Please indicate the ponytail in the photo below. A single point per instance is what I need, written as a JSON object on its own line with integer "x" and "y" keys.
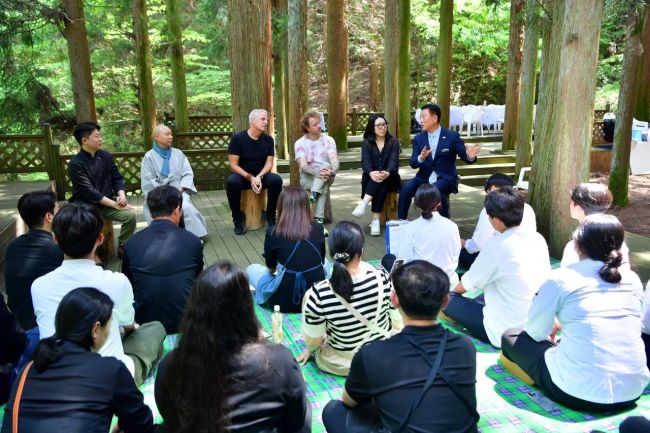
{"x": 427, "y": 198}
{"x": 346, "y": 243}
{"x": 46, "y": 353}
{"x": 341, "y": 280}
{"x": 609, "y": 271}
{"x": 600, "y": 238}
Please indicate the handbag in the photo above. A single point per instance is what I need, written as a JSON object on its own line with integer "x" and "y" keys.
{"x": 19, "y": 394}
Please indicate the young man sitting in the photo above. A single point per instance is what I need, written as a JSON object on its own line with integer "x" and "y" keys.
{"x": 588, "y": 199}
{"x": 422, "y": 379}
{"x": 470, "y": 248}
{"x": 78, "y": 231}
{"x": 510, "y": 269}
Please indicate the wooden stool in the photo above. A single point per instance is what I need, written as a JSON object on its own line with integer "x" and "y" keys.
{"x": 253, "y": 206}
{"x": 107, "y": 249}
{"x": 389, "y": 211}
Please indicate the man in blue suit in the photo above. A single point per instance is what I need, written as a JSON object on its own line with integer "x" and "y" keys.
{"x": 434, "y": 153}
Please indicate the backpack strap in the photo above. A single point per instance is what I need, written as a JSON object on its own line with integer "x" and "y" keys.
{"x": 18, "y": 396}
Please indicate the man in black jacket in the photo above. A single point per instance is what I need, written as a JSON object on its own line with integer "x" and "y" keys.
{"x": 162, "y": 261}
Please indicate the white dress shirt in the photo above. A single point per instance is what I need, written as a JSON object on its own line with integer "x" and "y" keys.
{"x": 436, "y": 240}
{"x": 510, "y": 270}
{"x": 570, "y": 255}
{"x": 645, "y": 317}
{"x": 484, "y": 230}
{"x": 600, "y": 357}
{"x": 48, "y": 290}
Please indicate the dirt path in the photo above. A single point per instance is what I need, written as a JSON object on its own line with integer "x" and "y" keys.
{"x": 636, "y": 215}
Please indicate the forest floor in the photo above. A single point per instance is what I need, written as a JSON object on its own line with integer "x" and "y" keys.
{"x": 634, "y": 216}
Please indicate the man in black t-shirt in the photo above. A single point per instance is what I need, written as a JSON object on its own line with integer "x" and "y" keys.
{"x": 388, "y": 386}
{"x": 250, "y": 154}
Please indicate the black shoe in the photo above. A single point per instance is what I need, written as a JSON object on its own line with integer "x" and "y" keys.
{"x": 240, "y": 226}
{"x": 270, "y": 222}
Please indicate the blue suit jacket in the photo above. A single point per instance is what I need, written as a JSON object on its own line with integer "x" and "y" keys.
{"x": 443, "y": 162}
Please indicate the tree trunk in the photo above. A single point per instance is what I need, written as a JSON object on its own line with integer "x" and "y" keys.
{"x": 404, "y": 77}
{"x": 297, "y": 80}
{"x": 513, "y": 81}
{"x": 415, "y": 96}
{"x": 181, "y": 113}
{"x": 373, "y": 97}
{"x": 642, "y": 110}
{"x": 391, "y": 54}
{"x": 279, "y": 27}
{"x": 528, "y": 77}
{"x": 632, "y": 59}
{"x": 249, "y": 32}
{"x": 337, "y": 72}
{"x": 146, "y": 97}
{"x": 444, "y": 59}
{"x": 561, "y": 159}
{"x": 74, "y": 30}
{"x": 382, "y": 88}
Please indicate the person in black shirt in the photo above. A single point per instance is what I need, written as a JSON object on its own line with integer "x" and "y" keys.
{"x": 28, "y": 257}
{"x": 162, "y": 261}
{"x": 223, "y": 376}
{"x": 96, "y": 180}
{"x": 250, "y": 154}
{"x": 422, "y": 379}
{"x": 296, "y": 243}
{"x": 69, "y": 387}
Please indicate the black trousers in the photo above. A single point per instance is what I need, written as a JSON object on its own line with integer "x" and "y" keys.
{"x": 379, "y": 190}
{"x": 466, "y": 259}
{"x": 528, "y": 354}
{"x": 338, "y": 418}
{"x": 408, "y": 190}
{"x": 469, "y": 313}
{"x": 646, "y": 341}
{"x": 236, "y": 184}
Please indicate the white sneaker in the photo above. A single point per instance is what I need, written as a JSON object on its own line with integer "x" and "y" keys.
{"x": 374, "y": 228}
{"x": 359, "y": 210}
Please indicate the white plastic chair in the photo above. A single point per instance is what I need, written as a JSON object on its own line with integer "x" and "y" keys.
{"x": 456, "y": 118}
{"x": 473, "y": 118}
{"x": 521, "y": 183}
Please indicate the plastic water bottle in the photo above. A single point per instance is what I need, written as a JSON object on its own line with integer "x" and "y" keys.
{"x": 276, "y": 325}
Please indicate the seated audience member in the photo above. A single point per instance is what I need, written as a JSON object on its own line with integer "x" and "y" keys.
{"x": 237, "y": 382}
{"x": 645, "y": 325}
{"x": 165, "y": 165}
{"x": 78, "y": 231}
{"x": 30, "y": 256}
{"x": 318, "y": 162}
{"x": 599, "y": 365}
{"x": 380, "y": 163}
{"x": 431, "y": 237}
{"x": 512, "y": 266}
{"x": 12, "y": 345}
{"x": 387, "y": 378}
{"x": 484, "y": 230}
{"x": 588, "y": 199}
{"x": 250, "y": 154}
{"x": 350, "y": 309}
{"x": 97, "y": 181}
{"x": 434, "y": 155}
{"x": 68, "y": 387}
{"x": 162, "y": 261}
{"x": 295, "y": 248}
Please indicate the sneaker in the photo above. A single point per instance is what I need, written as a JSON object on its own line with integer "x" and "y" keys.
{"x": 321, "y": 221}
{"x": 359, "y": 210}
{"x": 240, "y": 226}
{"x": 375, "y": 230}
{"x": 313, "y": 197}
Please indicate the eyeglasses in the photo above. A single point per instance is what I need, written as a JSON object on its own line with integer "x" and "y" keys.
{"x": 381, "y": 125}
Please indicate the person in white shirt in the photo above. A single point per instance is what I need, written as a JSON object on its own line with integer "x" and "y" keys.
{"x": 78, "y": 232}
{"x": 588, "y": 199}
{"x": 599, "y": 364}
{"x": 512, "y": 266}
{"x": 645, "y": 323}
{"x": 470, "y": 248}
{"x": 318, "y": 162}
{"x": 431, "y": 237}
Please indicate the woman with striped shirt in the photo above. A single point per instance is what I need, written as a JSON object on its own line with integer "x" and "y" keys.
{"x": 350, "y": 309}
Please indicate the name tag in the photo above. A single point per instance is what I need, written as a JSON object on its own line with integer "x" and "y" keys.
{"x": 444, "y": 150}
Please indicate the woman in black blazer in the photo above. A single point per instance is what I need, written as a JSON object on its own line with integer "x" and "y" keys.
{"x": 380, "y": 162}
{"x": 68, "y": 387}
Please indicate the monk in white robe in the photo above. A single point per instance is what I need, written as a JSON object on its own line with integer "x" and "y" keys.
{"x": 165, "y": 165}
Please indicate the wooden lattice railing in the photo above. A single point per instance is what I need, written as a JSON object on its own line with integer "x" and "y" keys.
{"x": 202, "y": 140}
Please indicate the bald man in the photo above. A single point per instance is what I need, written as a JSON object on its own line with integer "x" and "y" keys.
{"x": 167, "y": 166}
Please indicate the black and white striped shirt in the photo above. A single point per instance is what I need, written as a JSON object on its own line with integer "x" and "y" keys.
{"x": 324, "y": 315}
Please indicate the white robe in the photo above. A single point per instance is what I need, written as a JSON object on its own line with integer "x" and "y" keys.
{"x": 180, "y": 176}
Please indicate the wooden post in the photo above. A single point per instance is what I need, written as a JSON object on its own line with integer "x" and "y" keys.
{"x": 253, "y": 205}
{"x": 389, "y": 211}
{"x": 58, "y": 171}
{"x": 48, "y": 155}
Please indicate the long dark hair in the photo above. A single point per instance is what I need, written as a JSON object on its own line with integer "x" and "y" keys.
{"x": 75, "y": 318}
{"x": 600, "y": 237}
{"x": 294, "y": 216}
{"x": 346, "y": 242}
{"x": 427, "y": 198}
{"x": 369, "y": 133}
{"x": 219, "y": 320}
